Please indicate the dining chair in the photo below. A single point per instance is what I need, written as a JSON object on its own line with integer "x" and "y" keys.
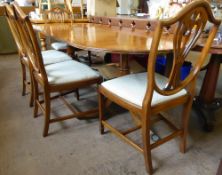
{"x": 61, "y": 15}
{"x": 49, "y": 56}
{"x": 58, "y": 14}
{"x": 147, "y": 95}
{"x": 59, "y": 77}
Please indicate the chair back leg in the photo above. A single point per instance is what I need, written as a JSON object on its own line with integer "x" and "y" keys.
{"x": 47, "y": 112}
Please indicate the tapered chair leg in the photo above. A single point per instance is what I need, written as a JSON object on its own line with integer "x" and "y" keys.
{"x": 146, "y": 145}
{"x": 47, "y": 113}
{"x": 36, "y": 98}
{"x": 23, "y": 79}
{"x": 101, "y": 112}
{"x": 31, "y": 100}
{"x": 185, "y": 122}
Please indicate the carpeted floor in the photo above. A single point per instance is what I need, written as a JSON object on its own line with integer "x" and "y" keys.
{"x": 75, "y": 147}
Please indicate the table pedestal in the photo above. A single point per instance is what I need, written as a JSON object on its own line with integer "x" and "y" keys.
{"x": 205, "y": 104}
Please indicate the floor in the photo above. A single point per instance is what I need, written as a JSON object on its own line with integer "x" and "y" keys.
{"x": 75, "y": 147}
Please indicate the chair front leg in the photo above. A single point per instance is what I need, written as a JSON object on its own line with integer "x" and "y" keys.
{"x": 36, "y": 97}
{"x": 186, "y": 115}
{"x": 101, "y": 112}
{"x": 47, "y": 112}
{"x": 23, "y": 78}
{"x": 185, "y": 121}
{"x": 31, "y": 100}
{"x": 146, "y": 144}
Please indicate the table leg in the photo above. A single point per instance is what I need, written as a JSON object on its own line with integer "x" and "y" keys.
{"x": 205, "y": 103}
{"x": 71, "y": 51}
{"x": 124, "y": 64}
{"x": 42, "y": 41}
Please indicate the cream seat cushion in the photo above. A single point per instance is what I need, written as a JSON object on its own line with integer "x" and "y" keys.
{"x": 59, "y": 45}
{"x": 54, "y": 56}
{"x": 132, "y": 88}
{"x": 69, "y": 72}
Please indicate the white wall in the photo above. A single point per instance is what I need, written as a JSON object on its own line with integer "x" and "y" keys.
{"x": 101, "y": 7}
{"x": 124, "y": 6}
{"x": 78, "y": 2}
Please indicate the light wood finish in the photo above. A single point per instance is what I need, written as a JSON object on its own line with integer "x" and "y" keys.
{"x": 26, "y": 82}
{"x": 97, "y": 37}
{"x": 21, "y": 51}
{"x": 42, "y": 39}
{"x": 62, "y": 15}
{"x": 40, "y": 79}
{"x": 68, "y": 14}
{"x": 25, "y": 9}
{"x": 111, "y": 39}
{"x": 190, "y": 24}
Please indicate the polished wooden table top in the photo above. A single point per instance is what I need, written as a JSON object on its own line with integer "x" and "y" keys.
{"x": 216, "y": 47}
{"x": 98, "y": 37}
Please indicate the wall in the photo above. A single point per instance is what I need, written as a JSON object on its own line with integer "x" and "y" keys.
{"x": 101, "y": 7}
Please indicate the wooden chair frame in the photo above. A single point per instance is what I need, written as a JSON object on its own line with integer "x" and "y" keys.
{"x": 190, "y": 23}
{"x": 21, "y": 51}
{"x": 14, "y": 26}
{"x": 40, "y": 77}
{"x": 69, "y": 13}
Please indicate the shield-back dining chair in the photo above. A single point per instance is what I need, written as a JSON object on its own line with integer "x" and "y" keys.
{"x": 49, "y": 56}
{"x": 61, "y": 15}
{"x": 148, "y": 94}
{"x": 60, "y": 77}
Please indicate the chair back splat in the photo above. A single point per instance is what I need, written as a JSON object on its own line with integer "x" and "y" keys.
{"x": 190, "y": 23}
{"x": 147, "y": 95}
{"x": 9, "y": 12}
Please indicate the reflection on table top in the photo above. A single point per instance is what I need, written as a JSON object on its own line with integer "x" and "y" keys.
{"x": 100, "y": 37}
{"x": 216, "y": 47}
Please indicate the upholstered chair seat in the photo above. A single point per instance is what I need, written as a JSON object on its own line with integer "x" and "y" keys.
{"x": 132, "y": 88}
{"x": 52, "y": 57}
{"x": 69, "y": 72}
{"x": 59, "y": 45}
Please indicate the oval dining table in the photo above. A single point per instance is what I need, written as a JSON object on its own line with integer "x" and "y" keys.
{"x": 110, "y": 39}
